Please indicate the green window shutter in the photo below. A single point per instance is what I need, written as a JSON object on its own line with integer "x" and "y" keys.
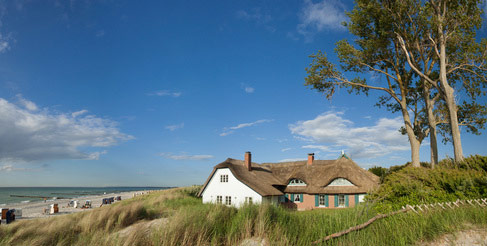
{"x": 346, "y": 201}
{"x": 301, "y": 197}
{"x": 356, "y": 199}
{"x": 326, "y": 200}
{"x": 336, "y": 201}
{"x": 317, "y": 200}
{"x": 292, "y": 197}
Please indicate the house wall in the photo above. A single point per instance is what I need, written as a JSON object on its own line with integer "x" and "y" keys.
{"x": 234, "y": 188}
{"x": 309, "y": 202}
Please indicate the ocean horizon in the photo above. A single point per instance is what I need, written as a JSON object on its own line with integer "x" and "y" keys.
{"x": 9, "y": 195}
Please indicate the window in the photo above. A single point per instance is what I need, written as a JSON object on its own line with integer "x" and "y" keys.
{"x": 224, "y": 178}
{"x": 322, "y": 200}
{"x": 283, "y": 198}
{"x": 341, "y": 200}
{"x": 296, "y": 182}
{"x": 248, "y": 200}
{"x": 228, "y": 200}
{"x": 340, "y": 182}
{"x": 219, "y": 199}
{"x": 297, "y": 198}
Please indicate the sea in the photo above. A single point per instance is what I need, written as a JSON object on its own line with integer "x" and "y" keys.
{"x": 9, "y": 195}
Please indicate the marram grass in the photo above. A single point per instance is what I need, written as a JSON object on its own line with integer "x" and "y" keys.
{"x": 189, "y": 222}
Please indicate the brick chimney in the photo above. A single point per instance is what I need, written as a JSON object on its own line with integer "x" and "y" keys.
{"x": 311, "y": 158}
{"x": 248, "y": 160}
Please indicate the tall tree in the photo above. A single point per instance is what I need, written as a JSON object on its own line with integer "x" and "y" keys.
{"x": 449, "y": 32}
{"x": 376, "y": 50}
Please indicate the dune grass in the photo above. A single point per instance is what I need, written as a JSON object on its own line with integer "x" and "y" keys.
{"x": 189, "y": 222}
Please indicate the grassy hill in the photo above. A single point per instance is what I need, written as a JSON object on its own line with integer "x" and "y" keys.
{"x": 177, "y": 217}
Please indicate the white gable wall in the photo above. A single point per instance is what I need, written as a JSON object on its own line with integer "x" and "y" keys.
{"x": 234, "y": 188}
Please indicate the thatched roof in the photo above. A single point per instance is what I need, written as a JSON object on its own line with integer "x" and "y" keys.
{"x": 269, "y": 179}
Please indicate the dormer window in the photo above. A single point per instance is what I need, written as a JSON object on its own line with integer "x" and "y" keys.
{"x": 296, "y": 182}
{"x": 341, "y": 182}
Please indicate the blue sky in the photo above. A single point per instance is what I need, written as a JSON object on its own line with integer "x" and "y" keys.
{"x": 109, "y": 93}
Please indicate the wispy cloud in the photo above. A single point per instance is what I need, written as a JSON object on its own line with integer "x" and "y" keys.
{"x": 362, "y": 142}
{"x": 165, "y": 93}
{"x": 230, "y": 130}
{"x": 320, "y": 147}
{"x": 29, "y": 105}
{"x": 186, "y": 157}
{"x": 32, "y": 134}
{"x": 286, "y": 149}
{"x": 174, "y": 127}
{"x": 10, "y": 168}
{"x": 256, "y": 15}
{"x": 100, "y": 33}
{"x": 316, "y": 17}
{"x": 5, "y": 38}
{"x": 249, "y": 89}
{"x": 78, "y": 113}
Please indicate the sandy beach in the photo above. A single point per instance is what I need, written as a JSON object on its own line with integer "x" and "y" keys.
{"x": 33, "y": 210}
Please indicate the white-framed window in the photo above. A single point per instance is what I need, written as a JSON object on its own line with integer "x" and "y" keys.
{"x": 322, "y": 200}
{"x": 224, "y": 178}
{"x": 341, "y": 200}
{"x": 219, "y": 199}
{"x": 248, "y": 200}
{"x": 228, "y": 200}
{"x": 296, "y": 182}
{"x": 297, "y": 198}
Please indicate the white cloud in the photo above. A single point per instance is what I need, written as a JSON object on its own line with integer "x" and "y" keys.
{"x": 249, "y": 89}
{"x": 316, "y": 17}
{"x": 31, "y": 106}
{"x": 28, "y": 135}
{"x": 320, "y": 147}
{"x": 174, "y": 127}
{"x": 286, "y": 149}
{"x": 78, "y": 113}
{"x": 166, "y": 93}
{"x": 10, "y": 168}
{"x": 186, "y": 157}
{"x": 361, "y": 142}
{"x": 230, "y": 130}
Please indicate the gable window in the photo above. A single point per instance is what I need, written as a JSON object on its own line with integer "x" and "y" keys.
{"x": 219, "y": 199}
{"x": 228, "y": 200}
{"x": 340, "y": 182}
{"x": 341, "y": 200}
{"x": 224, "y": 178}
{"x": 248, "y": 200}
{"x": 296, "y": 182}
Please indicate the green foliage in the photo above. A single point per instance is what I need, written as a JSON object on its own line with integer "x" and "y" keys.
{"x": 448, "y": 182}
{"x": 379, "y": 172}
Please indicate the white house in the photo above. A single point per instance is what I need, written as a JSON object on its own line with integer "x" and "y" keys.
{"x": 301, "y": 184}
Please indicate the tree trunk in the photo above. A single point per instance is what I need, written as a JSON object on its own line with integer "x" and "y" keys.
{"x": 430, "y": 104}
{"x": 450, "y": 100}
{"x": 412, "y": 137}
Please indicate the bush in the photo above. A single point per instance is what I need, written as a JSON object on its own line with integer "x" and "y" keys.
{"x": 447, "y": 182}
